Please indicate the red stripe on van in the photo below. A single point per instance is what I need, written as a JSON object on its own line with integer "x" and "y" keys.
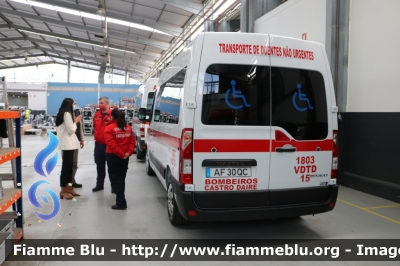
{"x": 313, "y": 145}
{"x": 256, "y": 145}
{"x": 169, "y": 140}
{"x": 231, "y": 145}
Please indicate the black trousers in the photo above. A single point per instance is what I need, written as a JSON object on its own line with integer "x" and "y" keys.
{"x": 117, "y": 168}
{"x": 74, "y": 165}
{"x": 100, "y": 160}
{"x": 66, "y": 168}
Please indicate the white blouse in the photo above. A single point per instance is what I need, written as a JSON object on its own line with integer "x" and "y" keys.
{"x": 66, "y": 134}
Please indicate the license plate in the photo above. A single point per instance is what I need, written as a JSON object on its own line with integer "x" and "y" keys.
{"x": 228, "y": 172}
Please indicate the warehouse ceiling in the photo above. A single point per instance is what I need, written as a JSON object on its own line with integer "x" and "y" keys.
{"x": 111, "y": 35}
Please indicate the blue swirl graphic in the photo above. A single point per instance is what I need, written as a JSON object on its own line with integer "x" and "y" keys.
{"x": 51, "y": 163}
{"x": 35, "y": 202}
{"x": 44, "y": 198}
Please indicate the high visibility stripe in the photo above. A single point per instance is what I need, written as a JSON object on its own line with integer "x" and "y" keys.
{"x": 168, "y": 140}
{"x": 245, "y": 145}
{"x": 258, "y": 145}
{"x": 231, "y": 145}
{"x": 306, "y": 145}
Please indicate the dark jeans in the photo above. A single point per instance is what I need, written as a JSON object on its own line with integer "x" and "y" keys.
{"x": 66, "y": 168}
{"x": 100, "y": 160}
{"x": 117, "y": 168}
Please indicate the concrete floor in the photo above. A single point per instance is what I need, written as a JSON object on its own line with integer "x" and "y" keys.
{"x": 356, "y": 216}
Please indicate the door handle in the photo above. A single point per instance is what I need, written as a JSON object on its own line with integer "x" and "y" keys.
{"x": 285, "y": 149}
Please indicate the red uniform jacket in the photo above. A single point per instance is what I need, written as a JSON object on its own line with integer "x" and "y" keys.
{"x": 99, "y": 124}
{"x": 119, "y": 142}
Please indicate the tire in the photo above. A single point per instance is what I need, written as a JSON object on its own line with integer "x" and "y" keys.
{"x": 174, "y": 215}
{"x": 140, "y": 154}
{"x": 149, "y": 170}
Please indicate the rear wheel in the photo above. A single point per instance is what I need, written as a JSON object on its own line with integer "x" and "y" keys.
{"x": 149, "y": 170}
{"x": 174, "y": 215}
{"x": 140, "y": 154}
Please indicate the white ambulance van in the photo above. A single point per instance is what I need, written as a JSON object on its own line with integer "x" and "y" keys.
{"x": 255, "y": 132}
{"x": 143, "y": 103}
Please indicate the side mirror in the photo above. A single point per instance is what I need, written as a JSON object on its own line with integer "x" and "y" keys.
{"x": 156, "y": 115}
{"x": 142, "y": 114}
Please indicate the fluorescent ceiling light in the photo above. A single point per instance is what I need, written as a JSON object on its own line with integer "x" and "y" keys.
{"x": 91, "y": 16}
{"x": 222, "y": 8}
{"x": 66, "y": 10}
{"x": 88, "y": 15}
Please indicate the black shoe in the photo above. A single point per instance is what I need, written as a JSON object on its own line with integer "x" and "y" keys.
{"x": 116, "y": 207}
{"x": 76, "y": 185}
{"x": 97, "y": 188}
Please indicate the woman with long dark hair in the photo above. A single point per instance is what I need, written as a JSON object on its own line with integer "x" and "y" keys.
{"x": 120, "y": 144}
{"x": 66, "y": 127}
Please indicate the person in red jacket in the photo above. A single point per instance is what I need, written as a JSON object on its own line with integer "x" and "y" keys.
{"x": 100, "y": 120}
{"x": 120, "y": 144}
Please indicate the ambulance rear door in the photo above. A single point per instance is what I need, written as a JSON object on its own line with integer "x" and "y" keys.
{"x": 232, "y": 123}
{"x": 301, "y": 153}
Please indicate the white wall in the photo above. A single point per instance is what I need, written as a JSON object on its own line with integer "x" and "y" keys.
{"x": 374, "y": 57}
{"x": 37, "y": 99}
{"x": 295, "y": 17}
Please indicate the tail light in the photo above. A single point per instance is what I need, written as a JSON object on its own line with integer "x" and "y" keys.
{"x": 141, "y": 131}
{"x": 186, "y": 157}
{"x": 335, "y": 155}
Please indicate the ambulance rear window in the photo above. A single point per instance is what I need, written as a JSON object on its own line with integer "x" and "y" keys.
{"x": 138, "y": 103}
{"x": 150, "y": 99}
{"x": 248, "y": 95}
{"x": 236, "y": 95}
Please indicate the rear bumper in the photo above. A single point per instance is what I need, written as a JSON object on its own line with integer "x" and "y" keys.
{"x": 185, "y": 202}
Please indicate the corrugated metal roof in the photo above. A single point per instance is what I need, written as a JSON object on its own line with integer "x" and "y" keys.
{"x": 60, "y": 30}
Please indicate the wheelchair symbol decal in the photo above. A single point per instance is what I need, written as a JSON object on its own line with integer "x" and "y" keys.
{"x": 302, "y": 97}
{"x": 236, "y": 94}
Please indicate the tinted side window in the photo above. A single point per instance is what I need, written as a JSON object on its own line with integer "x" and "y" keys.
{"x": 169, "y": 98}
{"x": 138, "y": 103}
{"x": 299, "y": 103}
{"x": 150, "y": 99}
{"x": 236, "y": 95}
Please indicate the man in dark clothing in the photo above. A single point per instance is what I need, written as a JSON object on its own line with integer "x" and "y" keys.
{"x": 80, "y": 136}
{"x": 100, "y": 120}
